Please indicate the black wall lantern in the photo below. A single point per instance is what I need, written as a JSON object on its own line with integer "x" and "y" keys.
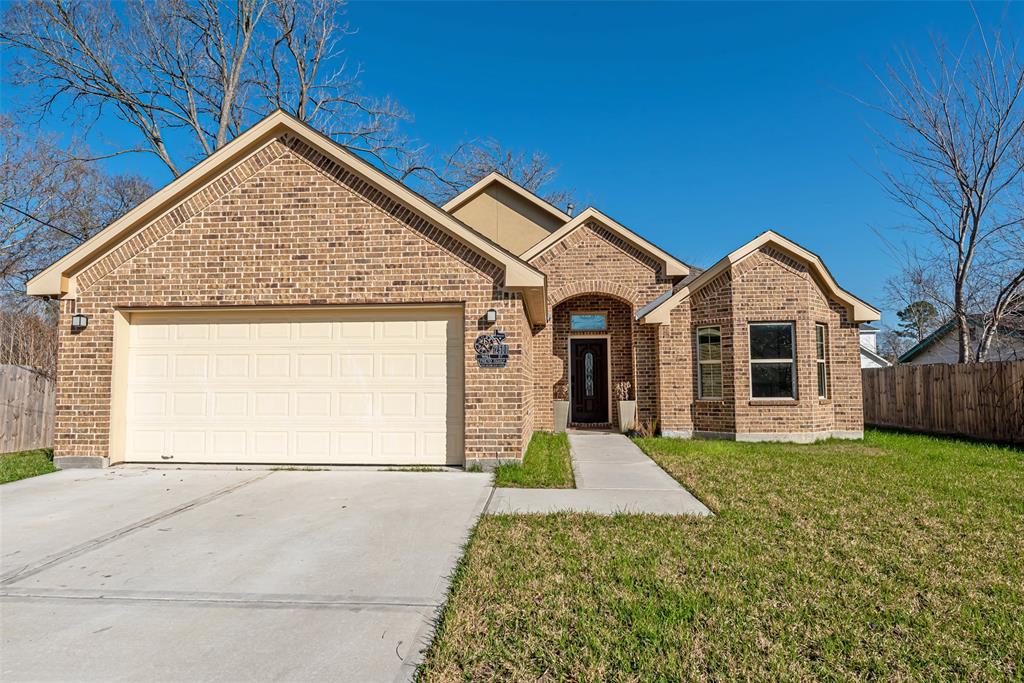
{"x": 79, "y": 321}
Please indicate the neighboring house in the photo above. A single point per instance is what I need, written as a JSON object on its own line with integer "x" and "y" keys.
{"x": 286, "y": 302}
{"x": 869, "y": 357}
{"x": 943, "y": 345}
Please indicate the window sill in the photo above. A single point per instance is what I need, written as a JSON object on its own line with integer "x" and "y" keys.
{"x": 710, "y": 400}
{"x": 824, "y": 401}
{"x": 773, "y": 402}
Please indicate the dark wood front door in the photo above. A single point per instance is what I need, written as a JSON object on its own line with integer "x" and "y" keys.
{"x": 589, "y": 386}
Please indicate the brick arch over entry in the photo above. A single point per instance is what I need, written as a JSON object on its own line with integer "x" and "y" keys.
{"x": 551, "y": 346}
{"x": 596, "y": 287}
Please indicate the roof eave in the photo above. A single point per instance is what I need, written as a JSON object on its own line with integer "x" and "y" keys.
{"x": 859, "y": 310}
{"x": 673, "y": 267}
{"x": 57, "y": 279}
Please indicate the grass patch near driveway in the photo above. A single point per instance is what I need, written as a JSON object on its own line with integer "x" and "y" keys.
{"x": 25, "y": 464}
{"x": 546, "y": 465}
{"x": 898, "y": 557}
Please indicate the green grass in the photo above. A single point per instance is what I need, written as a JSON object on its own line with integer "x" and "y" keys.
{"x": 25, "y": 464}
{"x": 895, "y": 558}
{"x": 546, "y": 465}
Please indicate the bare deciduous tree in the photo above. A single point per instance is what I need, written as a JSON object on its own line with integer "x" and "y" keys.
{"x": 958, "y": 141}
{"x": 29, "y": 339}
{"x": 50, "y": 204}
{"x": 891, "y": 345}
{"x": 188, "y": 75}
{"x": 473, "y": 160}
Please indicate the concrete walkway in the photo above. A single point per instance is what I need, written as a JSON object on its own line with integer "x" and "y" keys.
{"x": 612, "y": 475}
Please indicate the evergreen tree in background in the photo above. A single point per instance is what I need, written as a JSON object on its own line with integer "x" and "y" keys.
{"x": 917, "y": 321}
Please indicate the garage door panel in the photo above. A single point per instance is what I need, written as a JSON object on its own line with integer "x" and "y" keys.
{"x": 150, "y": 366}
{"x": 229, "y": 446}
{"x": 147, "y": 443}
{"x": 268, "y": 445}
{"x": 313, "y": 404}
{"x": 227, "y": 366}
{"x": 278, "y": 391}
{"x": 230, "y": 404}
{"x": 355, "y": 404}
{"x": 189, "y": 445}
{"x": 314, "y": 365}
{"x": 272, "y": 366}
{"x": 356, "y": 365}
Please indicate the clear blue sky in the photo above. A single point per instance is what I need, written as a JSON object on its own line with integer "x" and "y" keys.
{"x": 696, "y": 125}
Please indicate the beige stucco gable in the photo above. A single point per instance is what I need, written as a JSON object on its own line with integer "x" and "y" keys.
{"x": 507, "y": 213}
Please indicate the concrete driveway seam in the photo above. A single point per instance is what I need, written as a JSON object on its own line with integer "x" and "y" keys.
{"x": 82, "y": 548}
{"x": 240, "y": 600}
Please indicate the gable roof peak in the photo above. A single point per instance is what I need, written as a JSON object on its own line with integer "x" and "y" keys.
{"x": 496, "y": 177}
{"x": 673, "y": 266}
{"x": 859, "y": 310}
{"x": 58, "y": 279}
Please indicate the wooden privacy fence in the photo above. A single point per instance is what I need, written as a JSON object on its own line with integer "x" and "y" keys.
{"x": 980, "y": 400}
{"x": 26, "y": 409}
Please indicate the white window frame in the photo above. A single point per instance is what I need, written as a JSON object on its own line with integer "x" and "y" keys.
{"x": 702, "y": 363}
{"x": 821, "y": 362}
{"x": 776, "y": 361}
{"x": 604, "y": 314}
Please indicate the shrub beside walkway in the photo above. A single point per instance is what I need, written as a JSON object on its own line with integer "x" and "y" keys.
{"x": 612, "y": 476}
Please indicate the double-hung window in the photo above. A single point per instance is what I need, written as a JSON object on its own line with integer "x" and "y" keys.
{"x": 819, "y": 351}
{"x": 772, "y": 360}
{"x": 709, "y": 362}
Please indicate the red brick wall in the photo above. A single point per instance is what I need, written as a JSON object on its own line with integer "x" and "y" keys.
{"x": 766, "y": 286}
{"x": 290, "y": 227}
{"x": 595, "y": 269}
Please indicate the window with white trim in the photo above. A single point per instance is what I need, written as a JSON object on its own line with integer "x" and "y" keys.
{"x": 709, "y": 362}
{"x": 820, "y": 334}
{"x": 772, "y": 360}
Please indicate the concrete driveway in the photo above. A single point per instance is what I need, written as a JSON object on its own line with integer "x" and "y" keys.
{"x": 227, "y": 575}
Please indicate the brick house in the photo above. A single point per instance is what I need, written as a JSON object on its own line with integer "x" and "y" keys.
{"x": 286, "y": 302}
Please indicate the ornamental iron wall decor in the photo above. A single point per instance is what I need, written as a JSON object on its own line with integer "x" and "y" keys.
{"x": 491, "y": 351}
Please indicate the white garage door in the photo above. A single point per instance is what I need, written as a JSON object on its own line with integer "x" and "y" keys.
{"x": 364, "y": 386}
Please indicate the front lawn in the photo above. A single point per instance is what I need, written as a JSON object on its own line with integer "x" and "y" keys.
{"x": 25, "y": 464}
{"x": 546, "y": 465}
{"x": 899, "y": 557}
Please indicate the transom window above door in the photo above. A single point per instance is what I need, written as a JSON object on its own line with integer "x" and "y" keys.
{"x": 588, "y": 322}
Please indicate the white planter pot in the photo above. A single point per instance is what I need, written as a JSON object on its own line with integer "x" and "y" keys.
{"x": 561, "y": 411}
{"x": 627, "y": 416}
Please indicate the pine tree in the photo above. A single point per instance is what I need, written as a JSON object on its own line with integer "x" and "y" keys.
{"x": 917, "y": 321}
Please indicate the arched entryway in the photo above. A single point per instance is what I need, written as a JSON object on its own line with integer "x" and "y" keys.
{"x": 592, "y": 340}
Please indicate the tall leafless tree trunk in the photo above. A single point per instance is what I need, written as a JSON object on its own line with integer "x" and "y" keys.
{"x": 956, "y": 130}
